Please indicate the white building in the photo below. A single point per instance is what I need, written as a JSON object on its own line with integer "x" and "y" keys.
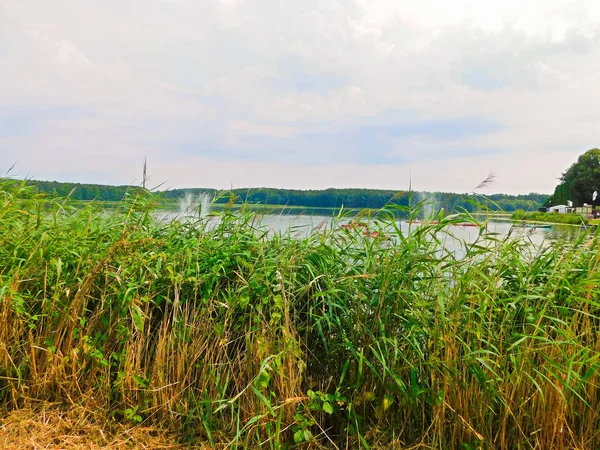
{"x": 560, "y": 209}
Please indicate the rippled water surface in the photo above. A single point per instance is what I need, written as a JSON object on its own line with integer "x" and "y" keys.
{"x": 452, "y": 238}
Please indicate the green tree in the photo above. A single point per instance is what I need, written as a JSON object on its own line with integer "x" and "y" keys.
{"x": 579, "y": 181}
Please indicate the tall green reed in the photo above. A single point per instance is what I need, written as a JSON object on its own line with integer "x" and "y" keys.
{"x": 232, "y": 335}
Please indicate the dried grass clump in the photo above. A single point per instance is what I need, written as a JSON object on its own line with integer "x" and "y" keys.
{"x": 53, "y": 427}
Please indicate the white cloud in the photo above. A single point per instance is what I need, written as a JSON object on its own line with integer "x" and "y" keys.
{"x": 263, "y": 92}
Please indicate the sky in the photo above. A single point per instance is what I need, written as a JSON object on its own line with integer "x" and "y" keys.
{"x": 303, "y": 94}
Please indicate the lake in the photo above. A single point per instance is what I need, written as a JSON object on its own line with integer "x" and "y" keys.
{"x": 301, "y": 225}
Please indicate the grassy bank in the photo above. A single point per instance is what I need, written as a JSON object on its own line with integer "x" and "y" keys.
{"x": 567, "y": 219}
{"x": 224, "y": 335}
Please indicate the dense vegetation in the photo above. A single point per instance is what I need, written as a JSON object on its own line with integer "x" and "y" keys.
{"x": 372, "y": 198}
{"x": 579, "y": 182}
{"x": 570, "y": 218}
{"x": 226, "y": 334}
{"x": 80, "y": 191}
{"x": 330, "y": 198}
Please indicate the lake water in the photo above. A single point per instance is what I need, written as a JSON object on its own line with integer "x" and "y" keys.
{"x": 301, "y": 225}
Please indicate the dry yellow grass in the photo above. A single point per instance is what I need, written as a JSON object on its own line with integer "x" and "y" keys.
{"x": 52, "y": 427}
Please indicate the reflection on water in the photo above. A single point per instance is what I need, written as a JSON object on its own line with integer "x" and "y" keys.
{"x": 452, "y": 238}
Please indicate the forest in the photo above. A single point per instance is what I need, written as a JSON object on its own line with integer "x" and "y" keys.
{"x": 329, "y": 198}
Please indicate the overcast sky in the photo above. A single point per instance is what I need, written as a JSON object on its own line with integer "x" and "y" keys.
{"x": 300, "y": 93}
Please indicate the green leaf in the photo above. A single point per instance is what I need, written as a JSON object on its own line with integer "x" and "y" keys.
{"x": 307, "y": 435}
{"x": 138, "y": 318}
{"x": 244, "y": 301}
{"x": 263, "y": 380}
{"x": 264, "y": 400}
{"x": 278, "y": 300}
{"x": 388, "y": 400}
{"x": 298, "y": 436}
{"x": 327, "y": 408}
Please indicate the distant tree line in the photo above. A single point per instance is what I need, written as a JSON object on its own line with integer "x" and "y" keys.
{"x": 332, "y": 198}
{"x": 79, "y": 191}
{"x": 370, "y": 198}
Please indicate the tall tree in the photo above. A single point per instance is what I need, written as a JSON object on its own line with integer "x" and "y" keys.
{"x": 580, "y": 181}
